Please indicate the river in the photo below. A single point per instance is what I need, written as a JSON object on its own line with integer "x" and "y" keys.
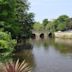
{"x": 47, "y": 55}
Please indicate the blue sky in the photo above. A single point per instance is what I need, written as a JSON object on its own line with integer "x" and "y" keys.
{"x": 50, "y": 9}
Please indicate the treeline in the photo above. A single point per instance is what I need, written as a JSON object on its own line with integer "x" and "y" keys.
{"x": 62, "y": 23}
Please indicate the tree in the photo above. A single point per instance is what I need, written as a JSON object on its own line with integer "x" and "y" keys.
{"x": 15, "y": 18}
{"x": 37, "y": 26}
{"x": 61, "y": 27}
{"x": 63, "y": 18}
{"x": 7, "y": 10}
{"x": 49, "y": 26}
{"x": 45, "y": 22}
{"x": 69, "y": 25}
{"x": 62, "y": 22}
{"x": 24, "y": 18}
{"x": 27, "y": 25}
{"x": 6, "y": 42}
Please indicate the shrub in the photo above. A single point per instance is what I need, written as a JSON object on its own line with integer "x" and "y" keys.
{"x": 16, "y": 67}
{"x": 5, "y": 36}
{"x": 6, "y": 42}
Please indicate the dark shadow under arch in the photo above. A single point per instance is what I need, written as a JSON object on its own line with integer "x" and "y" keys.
{"x": 50, "y": 35}
{"x": 33, "y": 36}
{"x": 42, "y": 35}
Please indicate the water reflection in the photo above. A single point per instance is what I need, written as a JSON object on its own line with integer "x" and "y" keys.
{"x": 63, "y": 41}
{"x": 63, "y": 45}
{"x": 42, "y": 42}
{"x": 46, "y": 55}
{"x": 24, "y": 52}
{"x": 52, "y": 55}
{"x": 25, "y": 55}
{"x": 23, "y": 46}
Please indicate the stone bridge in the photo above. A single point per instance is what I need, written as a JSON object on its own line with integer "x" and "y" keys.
{"x": 41, "y": 34}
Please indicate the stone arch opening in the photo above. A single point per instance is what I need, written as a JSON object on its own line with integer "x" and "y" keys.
{"x": 50, "y": 35}
{"x": 42, "y": 35}
{"x": 33, "y": 36}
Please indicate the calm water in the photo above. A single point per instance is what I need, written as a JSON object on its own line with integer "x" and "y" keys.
{"x": 47, "y": 55}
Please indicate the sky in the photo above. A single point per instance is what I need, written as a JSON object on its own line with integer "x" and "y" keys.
{"x": 50, "y": 9}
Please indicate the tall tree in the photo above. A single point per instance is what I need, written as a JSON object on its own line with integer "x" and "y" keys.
{"x": 62, "y": 22}
{"x": 15, "y": 18}
{"x": 24, "y": 19}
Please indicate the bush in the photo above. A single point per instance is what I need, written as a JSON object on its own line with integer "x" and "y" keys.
{"x": 16, "y": 67}
{"x": 5, "y": 36}
{"x": 6, "y": 41}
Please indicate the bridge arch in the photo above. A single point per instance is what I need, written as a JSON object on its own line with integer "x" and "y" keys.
{"x": 50, "y": 35}
{"x": 33, "y": 36}
{"x": 41, "y": 35}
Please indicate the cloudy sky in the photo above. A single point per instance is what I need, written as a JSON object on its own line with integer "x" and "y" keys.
{"x": 50, "y": 8}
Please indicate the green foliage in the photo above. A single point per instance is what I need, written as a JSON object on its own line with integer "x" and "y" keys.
{"x": 62, "y": 23}
{"x": 6, "y": 41}
{"x": 45, "y": 22}
{"x": 5, "y": 36}
{"x": 7, "y": 9}
{"x": 15, "y": 18}
{"x": 26, "y": 25}
{"x": 63, "y": 18}
{"x": 50, "y": 27}
{"x": 5, "y": 56}
{"x": 24, "y": 19}
{"x": 4, "y": 44}
{"x": 69, "y": 25}
{"x": 38, "y": 26}
{"x": 61, "y": 27}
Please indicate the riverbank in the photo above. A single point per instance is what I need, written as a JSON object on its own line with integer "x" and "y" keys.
{"x": 67, "y": 35}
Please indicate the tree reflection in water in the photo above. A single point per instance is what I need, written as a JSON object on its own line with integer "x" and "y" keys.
{"x": 64, "y": 46}
{"x": 24, "y": 52}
